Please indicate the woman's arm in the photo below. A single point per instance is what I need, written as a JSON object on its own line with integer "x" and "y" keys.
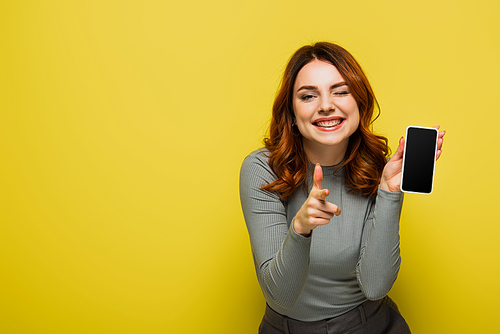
{"x": 281, "y": 255}
{"x": 379, "y": 261}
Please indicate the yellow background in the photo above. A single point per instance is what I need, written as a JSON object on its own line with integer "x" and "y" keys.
{"x": 123, "y": 125}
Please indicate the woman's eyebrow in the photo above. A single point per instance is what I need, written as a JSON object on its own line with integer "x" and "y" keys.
{"x": 340, "y": 84}
{"x": 337, "y": 85}
{"x": 307, "y": 88}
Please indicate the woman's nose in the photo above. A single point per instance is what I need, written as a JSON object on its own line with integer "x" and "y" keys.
{"x": 326, "y": 105}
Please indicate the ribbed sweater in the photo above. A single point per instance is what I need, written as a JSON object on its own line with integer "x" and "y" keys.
{"x": 353, "y": 258}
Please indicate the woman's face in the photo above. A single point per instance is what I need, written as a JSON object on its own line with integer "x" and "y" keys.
{"x": 326, "y": 113}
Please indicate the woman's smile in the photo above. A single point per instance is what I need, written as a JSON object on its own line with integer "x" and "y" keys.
{"x": 328, "y": 123}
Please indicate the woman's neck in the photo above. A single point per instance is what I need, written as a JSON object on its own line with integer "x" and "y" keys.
{"x": 325, "y": 155}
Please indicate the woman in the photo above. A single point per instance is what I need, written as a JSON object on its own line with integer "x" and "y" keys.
{"x": 322, "y": 203}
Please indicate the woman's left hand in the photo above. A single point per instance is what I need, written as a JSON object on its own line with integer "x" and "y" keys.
{"x": 391, "y": 176}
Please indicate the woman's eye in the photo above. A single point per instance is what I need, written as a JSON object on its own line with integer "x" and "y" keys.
{"x": 307, "y": 97}
{"x": 341, "y": 93}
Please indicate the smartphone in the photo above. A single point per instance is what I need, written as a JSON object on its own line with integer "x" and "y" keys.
{"x": 419, "y": 160}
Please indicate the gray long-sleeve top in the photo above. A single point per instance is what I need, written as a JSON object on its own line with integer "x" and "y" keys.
{"x": 353, "y": 258}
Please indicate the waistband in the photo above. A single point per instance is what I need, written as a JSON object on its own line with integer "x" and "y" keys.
{"x": 342, "y": 322}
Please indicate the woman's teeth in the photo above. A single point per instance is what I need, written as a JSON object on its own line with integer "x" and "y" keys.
{"x": 329, "y": 124}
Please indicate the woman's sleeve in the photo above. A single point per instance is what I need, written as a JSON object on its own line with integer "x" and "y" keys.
{"x": 379, "y": 261}
{"x": 281, "y": 256}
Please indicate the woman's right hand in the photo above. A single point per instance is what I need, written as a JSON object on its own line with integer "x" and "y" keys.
{"x": 315, "y": 211}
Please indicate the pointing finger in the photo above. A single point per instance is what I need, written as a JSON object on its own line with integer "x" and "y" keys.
{"x": 318, "y": 177}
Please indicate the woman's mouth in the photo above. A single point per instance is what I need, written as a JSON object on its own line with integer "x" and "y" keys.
{"x": 329, "y": 124}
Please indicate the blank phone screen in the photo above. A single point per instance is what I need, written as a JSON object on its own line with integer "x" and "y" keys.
{"x": 419, "y": 160}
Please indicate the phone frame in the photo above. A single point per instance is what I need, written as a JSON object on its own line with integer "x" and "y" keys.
{"x": 434, "y": 163}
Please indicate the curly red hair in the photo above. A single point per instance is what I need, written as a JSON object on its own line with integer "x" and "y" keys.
{"x": 366, "y": 152}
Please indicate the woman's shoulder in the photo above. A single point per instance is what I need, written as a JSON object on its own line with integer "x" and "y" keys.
{"x": 257, "y": 163}
{"x": 259, "y": 154}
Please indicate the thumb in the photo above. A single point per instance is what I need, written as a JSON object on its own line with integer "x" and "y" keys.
{"x": 318, "y": 177}
{"x": 399, "y": 152}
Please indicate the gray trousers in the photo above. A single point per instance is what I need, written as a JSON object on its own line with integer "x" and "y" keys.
{"x": 372, "y": 317}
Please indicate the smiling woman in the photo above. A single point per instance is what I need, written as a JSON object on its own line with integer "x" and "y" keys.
{"x": 335, "y": 278}
{"x": 363, "y": 155}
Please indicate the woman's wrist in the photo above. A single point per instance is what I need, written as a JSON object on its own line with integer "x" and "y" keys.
{"x": 300, "y": 230}
{"x": 384, "y": 185}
